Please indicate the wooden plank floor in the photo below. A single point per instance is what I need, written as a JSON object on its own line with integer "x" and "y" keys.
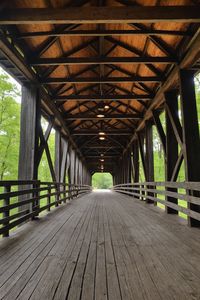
{"x": 102, "y": 246}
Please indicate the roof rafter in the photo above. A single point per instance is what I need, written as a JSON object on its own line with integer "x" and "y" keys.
{"x": 133, "y": 50}
{"x": 73, "y": 51}
{"x": 159, "y": 42}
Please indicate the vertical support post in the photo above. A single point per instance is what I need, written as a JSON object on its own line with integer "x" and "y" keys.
{"x": 80, "y": 172}
{"x": 76, "y": 168}
{"x": 64, "y": 193}
{"x": 114, "y": 178}
{"x": 135, "y": 165}
{"x": 49, "y": 197}
{"x": 149, "y": 152}
{"x": 136, "y": 161}
{"x": 71, "y": 171}
{"x": 149, "y": 160}
{"x": 171, "y": 156}
{"x": 58, "y": 156}
{"x": 70, "y": 192}
{"x": 36, "y": 194}
{"x": 119, "y": 166}
{"x": 75, "y": 175}
{"x": 72, "y": 165}
{"x": 29, "y": 137}
{"x": 125, "y": 175}
{"x": 6, "y": 213}
{"x": 122, "y": 170}
{"x": 191, "y": 140}
{"x": 64, "y": 161}
{"x": 141, "y": 147}
{"x": 128, "y": 165}
{"x": 69, "y": 182}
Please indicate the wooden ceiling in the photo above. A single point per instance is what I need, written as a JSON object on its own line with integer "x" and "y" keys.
{"x": 100, "y": 57}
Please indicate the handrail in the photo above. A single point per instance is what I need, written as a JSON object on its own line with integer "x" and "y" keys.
{"x": 184, "y": 184}
{"x": 24, "y": 200}
{"x": 154, "y": 191}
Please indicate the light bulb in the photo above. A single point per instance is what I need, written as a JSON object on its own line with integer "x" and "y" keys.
{"x": 102, "y": 138}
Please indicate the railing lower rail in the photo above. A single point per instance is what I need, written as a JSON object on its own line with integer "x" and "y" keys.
{"x": 21, "y": 201}
{"x": 168, "y": 194}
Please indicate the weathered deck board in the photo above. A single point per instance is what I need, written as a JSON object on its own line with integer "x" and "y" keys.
{"x": 102, "y": 246}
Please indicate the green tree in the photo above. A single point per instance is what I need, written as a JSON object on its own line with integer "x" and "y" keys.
{"x": 10, "y": 133}
{"x": 9, "y": 128}
{"x": 102, "y": 180}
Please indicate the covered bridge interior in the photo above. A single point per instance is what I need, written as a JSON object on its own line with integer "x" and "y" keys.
{"x": 101, "y": 72}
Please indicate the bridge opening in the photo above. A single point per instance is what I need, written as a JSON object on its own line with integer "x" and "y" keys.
{"x": 101, "y": 180}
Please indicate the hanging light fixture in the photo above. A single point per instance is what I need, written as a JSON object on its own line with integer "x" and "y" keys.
{"x": 102, "y": 138}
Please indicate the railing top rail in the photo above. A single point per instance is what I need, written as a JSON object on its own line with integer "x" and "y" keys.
{"x": 61, "y": 183}
{"x": 184, "y": 184}
{"x": 4, "y": 183}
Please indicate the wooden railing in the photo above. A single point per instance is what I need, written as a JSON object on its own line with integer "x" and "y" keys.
{"x": 21, "y": 201}
{"x": 161, "y": 192}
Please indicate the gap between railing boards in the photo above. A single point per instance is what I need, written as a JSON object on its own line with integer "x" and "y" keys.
{"x": 21, "y": 201}
{"x": 166, "y": 193}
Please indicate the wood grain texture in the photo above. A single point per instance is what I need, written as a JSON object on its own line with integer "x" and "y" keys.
{"x": 102, "y": 246}
{"x": 98, "y": 15}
